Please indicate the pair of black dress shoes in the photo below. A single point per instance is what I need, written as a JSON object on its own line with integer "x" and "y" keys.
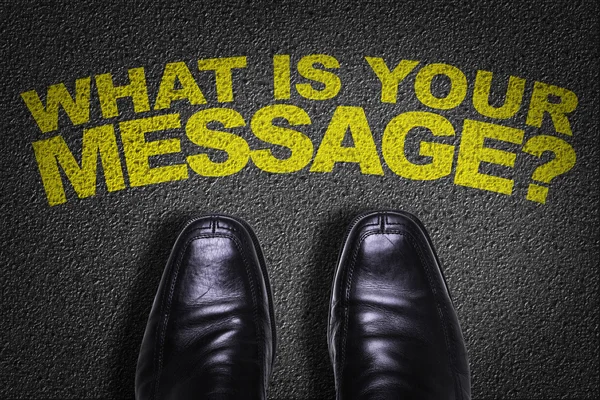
{"x": 393, "y": 332}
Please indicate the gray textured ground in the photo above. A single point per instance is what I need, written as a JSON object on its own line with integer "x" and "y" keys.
{"x": 77, "y": 280}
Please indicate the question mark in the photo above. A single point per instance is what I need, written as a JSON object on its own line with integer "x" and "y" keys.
{"x": 564, "y": 160}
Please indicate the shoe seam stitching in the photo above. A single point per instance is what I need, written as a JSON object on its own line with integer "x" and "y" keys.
{"x": 442, "y": 311}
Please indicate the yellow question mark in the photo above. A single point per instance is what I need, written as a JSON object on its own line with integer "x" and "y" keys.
{"x": 563, "y": 161}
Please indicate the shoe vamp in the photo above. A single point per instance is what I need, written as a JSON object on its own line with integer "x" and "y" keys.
{"x": 396, "y": 335}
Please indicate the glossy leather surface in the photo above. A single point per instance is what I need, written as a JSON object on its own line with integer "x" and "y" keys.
{"x": 210, "y": 331}
{"x": 393, "y": 332}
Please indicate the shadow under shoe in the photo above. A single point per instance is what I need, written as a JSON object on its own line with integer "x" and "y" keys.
{"x": 393, "y": 332}
{"x": 210, "y": 333}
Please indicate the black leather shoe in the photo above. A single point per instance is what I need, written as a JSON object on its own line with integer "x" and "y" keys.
{"x": 393, "y": 332}
{"x": 211, "y": 331}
